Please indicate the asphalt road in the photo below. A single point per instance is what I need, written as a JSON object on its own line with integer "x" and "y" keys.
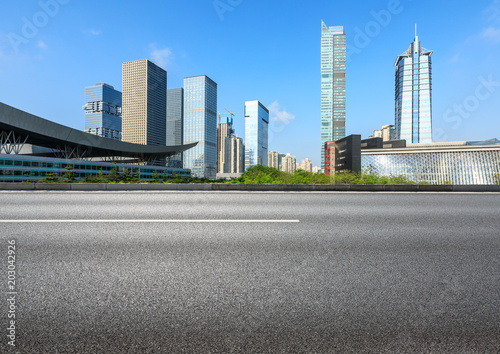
{"x": 358, "y": 272}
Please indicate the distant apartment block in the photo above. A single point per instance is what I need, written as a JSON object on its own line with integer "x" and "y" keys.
{"x": 305, "y": 165}
{"x": 225, "y": 130}
{"x": 103, "y": 111}
{"x": 144, "y": 103}
{"x": 200, "y": 125}
{"x": 282, "y": 162}
{"x": 175, "y": 119}
{"x": 234, "y": 161}
{"x": 387, "y": 133}
{"x": 256, "y": 134}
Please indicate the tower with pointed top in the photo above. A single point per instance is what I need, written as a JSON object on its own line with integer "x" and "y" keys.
{"x": 333, "y": 84}
{"x": 413, "y": 110}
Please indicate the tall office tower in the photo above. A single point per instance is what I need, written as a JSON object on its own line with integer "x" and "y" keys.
{"x": 200, "y": 125}
{"x": 256, "y": 132}
{"x": 333, "y": 84}
{"x": 103, "y": 111}
{"x": 175, "y": 118}
{"x": 224, "y": 131}
{"x": 235, "y": 155}
{"x": 144, "y": 103}
{"x": 414, "y": 94}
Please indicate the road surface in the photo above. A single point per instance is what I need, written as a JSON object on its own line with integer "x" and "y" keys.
{"x": 169, "y": 272}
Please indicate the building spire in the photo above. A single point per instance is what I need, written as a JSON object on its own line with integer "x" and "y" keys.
{"x": 416, "y": 37}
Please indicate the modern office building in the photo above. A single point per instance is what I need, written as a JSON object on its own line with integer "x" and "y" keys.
{"x": 333, "y": 85}
{"x": 234, "y": 161}
{"x": 32, "y": 148}
{"x": 103, "y": 111}
{"x": 175, "y": 119}
{"x": 144, "y": 103}
{"x": 413, "y": 121}
{"x": 256, "y": 134}
{"x": 473, "y": 162}
{"x": 225, "y": 130}
{"x": 200, "y": 125}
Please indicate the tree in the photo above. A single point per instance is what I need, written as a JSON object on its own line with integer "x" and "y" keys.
{"x": 70, "y": 175}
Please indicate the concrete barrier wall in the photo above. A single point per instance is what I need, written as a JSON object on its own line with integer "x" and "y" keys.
{"x": 249, "y": 187}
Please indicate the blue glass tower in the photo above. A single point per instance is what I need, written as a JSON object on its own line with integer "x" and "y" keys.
{"x": 200, "y": 125}
{"x": 103, "y": 111}
{"x": 175, "y": 119}
{"x": 413, "y": 121}
{"x": 256, "y": 133}
{"x": 333, "y": 85}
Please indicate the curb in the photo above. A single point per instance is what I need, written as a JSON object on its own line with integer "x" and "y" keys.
{"x": 248, "y": 187}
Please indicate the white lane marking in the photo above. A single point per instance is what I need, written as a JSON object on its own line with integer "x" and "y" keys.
{"x": 149, "y": 221}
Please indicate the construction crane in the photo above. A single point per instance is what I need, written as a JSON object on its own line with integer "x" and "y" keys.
{"x": 226, "y": 114}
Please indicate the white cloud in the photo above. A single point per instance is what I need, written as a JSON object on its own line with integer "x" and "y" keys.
{"x": 491, "y": 33}
{"x": 95, "y": 32}
{"x": 493, "y": 11}
{"x": 455, "y": 58}
{"x": 161, "y": 57}
{"x": 42, "y": 45}
{"x": 279, "y": 115}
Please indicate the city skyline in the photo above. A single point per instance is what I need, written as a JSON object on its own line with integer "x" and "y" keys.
{"x": 465, "y": 81}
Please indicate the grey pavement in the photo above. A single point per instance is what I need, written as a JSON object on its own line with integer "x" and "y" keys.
{"x": 360, "y": 272}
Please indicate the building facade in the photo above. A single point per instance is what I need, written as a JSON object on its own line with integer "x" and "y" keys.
{"x": 333, "y": 84}
{"x": 413, "y": 97}
{"x": 437, "y": 163}
{"x": 305, "y": 165}
{"x": 256, "y": 134}
{"x": 225, "y": 130}
{"x": 200, "y": 125}
{"x": 343, "y": 155}
{"x": 175, "y": 119}
{"x": 234, "y": 161}
{"x": 144, "y": 103}
{"x": 274, "y": 159}
{"x": 288, "y": 163}
{"x": 387, "y": 133}
{"x": 103, "y": 111}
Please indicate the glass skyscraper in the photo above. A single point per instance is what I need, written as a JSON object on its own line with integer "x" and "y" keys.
{"x": 333, "y": 84}
{"x": 103, "y": 111}
{"x": 144, "y": 103}
{"x": 256, "y": 134}
{"x": 413, "y": 121}
{"x": 175, "y": 118}
{"x": 200, "y": 125}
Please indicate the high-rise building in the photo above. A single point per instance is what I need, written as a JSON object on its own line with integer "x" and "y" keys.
{"x": 224, "y": 131}
{"x": 234, "y": 161}
{"x": 387, "y": 133}
{"x": 103, "y": 111}
{"x": 333, "y": 84}
{"x": 414, "y": 94}
{"x": 175, "y": 118}
{"x": 288, "y": 163}
{"x": 256, "y": 133}
{"x": 305, "y": 165}
{"x": 274, "y": 159}
{"x": 200, "y": 125}
{"x": 343, "y": 155}
{"x": 144, "y": 103}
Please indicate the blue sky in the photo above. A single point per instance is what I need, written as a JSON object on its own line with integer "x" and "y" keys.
{"x": 265, "y": 50}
